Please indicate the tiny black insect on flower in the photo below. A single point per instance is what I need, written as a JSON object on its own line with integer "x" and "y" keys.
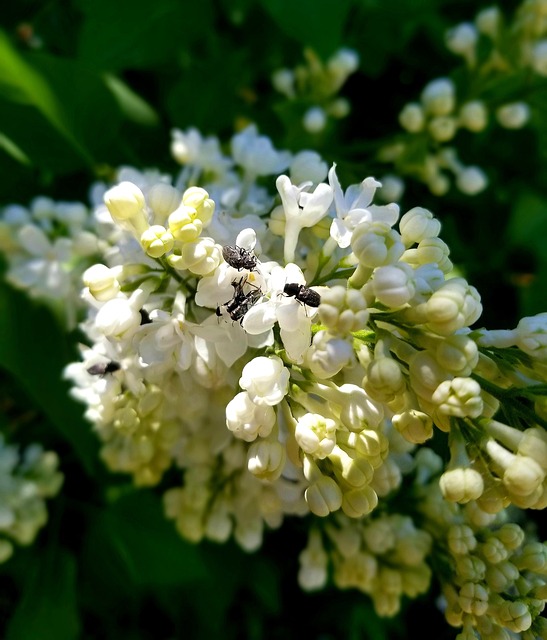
{"x": 303, "y": 294}
{"x": 145, "y": 317}
{"x": 102, "y": 368}
{"x": 242, "y": 301}
{"x": 239, "y": 258}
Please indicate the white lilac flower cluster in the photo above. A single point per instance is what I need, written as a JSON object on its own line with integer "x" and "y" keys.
{"x": 316, "y": 85}
{"x": 26, "y": 480}
{"x": 46, "y": 246}
{"x": 494, "y": 53}
{"x": 293, "y": 350}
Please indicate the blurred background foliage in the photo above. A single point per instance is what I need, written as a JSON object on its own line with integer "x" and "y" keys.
{"x": 89, "y": 85}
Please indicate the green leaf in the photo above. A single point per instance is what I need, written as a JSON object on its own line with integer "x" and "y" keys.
{"x": 138, "y": 34}
{"x": 527, "y": 225}
{"x": 136, "y": 538}
{"x": 318, "y": 24}
{"x": 34, "y": 350}
{"x": 13, "y": 150}
{"x": 130, "y": 103}
{"x": 48, "y": 610}
{"x": 23, "y": 84}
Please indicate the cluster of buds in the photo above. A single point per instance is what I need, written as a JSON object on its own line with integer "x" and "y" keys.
{"x": 298, "y": 360}
{"x": 428, "y": 150}
{"x": 47, "y": 246}
{"x": 26, "y": 480}
{"x": 316, "y": 85}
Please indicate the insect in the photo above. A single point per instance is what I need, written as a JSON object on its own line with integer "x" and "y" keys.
{"x": 303, "y": 294}
{"x": 242, "y": 301}
{"x": 145, "y": 317}
{"x": 239, "y": 258}
{"x": 102, "y": 368}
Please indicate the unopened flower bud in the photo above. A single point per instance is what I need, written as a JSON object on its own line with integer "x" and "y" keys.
{"x": 539, "y": 57}
{"x": 200, "y": 257}
{"x": 198, "y": 199}
{"x": 514, "y": 115}
{"x": 442, "y": 128}
{"x": 126, "y": 203}
{"x": 315, "y": 120}
{"x": 184, "y": 224}
{"x": 157, "y": 241}
{"x": 438, "y": 97}
{"x": 417, "y": 224}
{"x": 473, "y": 115}
{"x": 462, "y": 39}
{"x": 308, "y": 165}
{"x": 412, "y": 117}
{"x": 357, "y": 503}
{"x": 471, "y": 180}
{"x": 461, "y": 485}
{"x": 415, "y": 426}
{"x": 266, "y": 459}
{"x": 102, "y": 282}
{"x": 163, "y": 199}
{"x": 394, "y": 284}
{"x": 323, "y": 496}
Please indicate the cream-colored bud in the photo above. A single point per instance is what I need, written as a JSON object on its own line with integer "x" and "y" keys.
{"x": 488, "y": 21}
{"x": 357, "y": 472}
{"x": 379, "y": 536}
{"x": 387, "y": 477}
{"x": 339, "y": 108}
{"x": 198, "y": 199}
{"x": 392, "y": 188}
{"x": 473, "y": 598}
{"x": 394, "y": 285}
{"x": 384, "y": 379}
{"x": 471, "y": 180}
{"x": 323, "y": 496}
{"x": 469, "y": 568}
{"x": 454, "y": 306}
{"x": 357, "y": 503}
{"x": 417, "y": 224}
{"x": 461, "y": 485}
{"x": 184, "y": 224}
{"x": 412, "y": 117}
{"x": 473, "y": 115}
{"x": 514, "y": 115}
{"x": 533, "y": 558}
{"x": 157, "y": 241}
{"x": 201, "y": 257}
{"x": 415, "y": 426}
{"x": 376, "y": 244}
{"x": 124, "y": 201}
{"x": 102, "y": 282}
{"x": 461, "y": 539}
{"x": 442, "y": 128}
{"x": 163, "y": 199}
{"x": 501, "y": 576}
{"x": 514, "y": 615}
{"x": 533, "y": 444}
{"x": 462, "y": 38}
{"x": 523, "y": 476}
{"x": 539, "y": 57}
{"x": 460, "y": 397}
{"x": 458, "y": 354}
{"x": 439, "y": 97}
{"x": 266, "y": 459}
{"x": 314, "y": 120}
